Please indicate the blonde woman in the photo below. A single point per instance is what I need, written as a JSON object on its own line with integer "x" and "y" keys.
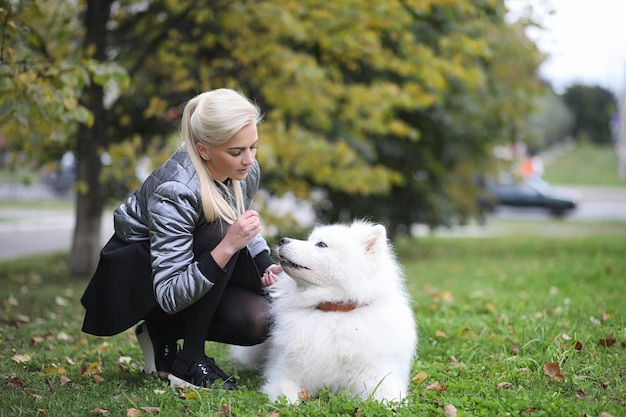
{"x": 187, "y": 256}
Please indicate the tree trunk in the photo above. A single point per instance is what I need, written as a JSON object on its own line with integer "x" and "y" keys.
{"x": 91, "y": 141}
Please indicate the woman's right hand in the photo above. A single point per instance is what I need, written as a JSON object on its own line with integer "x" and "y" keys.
{"x": 237, "y": 237}
{"x": 243, "y": 230}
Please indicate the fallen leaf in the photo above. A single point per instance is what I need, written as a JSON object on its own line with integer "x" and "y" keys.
{"x": 449, "y": 410}
{"x": 454, "y": 361}
{"x": 578, "y": 346}
{"x": 132, "y": 412}
{"x": 189, "y": 395}
{"x": 151, "y": 410}
{"x": 42, "y": 411}
{"x": 60, "y": 301}
{"x": 606, "y": 384}
{"x": 64, "y": 380}
{"x": 14, "y": 381}
{"x": 99, "y": 410}
{"x": 553, "y": 370}
{"x": 304, "y": 395}
{"x": 447, "y": 296}
{"x": 65, "y": 337}
{"x": 273, "y": 413}
{"x": 504, "y": 385}
{"x": 97, "y": 379}
{"x": 565, "y": 336}
{"x": 124, "y": 359}
{"x": 36, "y": 340}
{"x": 609, "y": 341}
{"x": 92, "y": 369}
{"x": 436, "y": 386}
{"x": 420, "y": 377}
{"x": 581, "y": 394}
{"x": 21, "y": 358}
{"x": 528, "y": 410}
{"x": 441, "y": 334}
{"x": 604, "y": 414}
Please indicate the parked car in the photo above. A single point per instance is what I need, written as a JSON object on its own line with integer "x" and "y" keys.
{"x": 534, "y": 192}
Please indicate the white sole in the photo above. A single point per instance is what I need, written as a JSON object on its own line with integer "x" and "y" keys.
{"x": 176, "y": 382}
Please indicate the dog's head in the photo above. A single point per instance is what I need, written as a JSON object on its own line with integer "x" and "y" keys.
{"x": 352, "y": 260}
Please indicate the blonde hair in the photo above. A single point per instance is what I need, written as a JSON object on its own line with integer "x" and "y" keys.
{"x": 212, "y": 118}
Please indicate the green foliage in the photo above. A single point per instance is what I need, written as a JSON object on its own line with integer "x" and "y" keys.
{"x": 42, "y": 76}
{"x": 592, "y": 107}
{"x": 491, "y": 313}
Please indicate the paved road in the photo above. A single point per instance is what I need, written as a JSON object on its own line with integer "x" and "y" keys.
{"x": 25, "y": 232}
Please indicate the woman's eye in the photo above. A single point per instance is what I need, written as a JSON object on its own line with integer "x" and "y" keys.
{"x": 321, "y": 245}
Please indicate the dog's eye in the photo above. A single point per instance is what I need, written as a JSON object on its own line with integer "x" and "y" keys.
{"x": 321, "y": 245}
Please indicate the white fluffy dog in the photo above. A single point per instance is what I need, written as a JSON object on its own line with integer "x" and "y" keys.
{"x": 341, "y": 318}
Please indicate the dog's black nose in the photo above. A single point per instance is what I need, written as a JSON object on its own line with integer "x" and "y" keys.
{"x": 284, "y": 241}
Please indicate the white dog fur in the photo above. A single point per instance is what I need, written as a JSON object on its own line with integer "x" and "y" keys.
{"x": 367, "y": 351}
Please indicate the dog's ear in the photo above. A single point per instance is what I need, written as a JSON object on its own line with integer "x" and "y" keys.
{"x": 376, "y": 239}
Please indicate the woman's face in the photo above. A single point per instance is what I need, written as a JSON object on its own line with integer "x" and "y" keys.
{"x": 234, "y": 158}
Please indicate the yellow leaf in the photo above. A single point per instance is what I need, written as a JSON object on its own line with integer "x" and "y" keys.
{"x": 189, "y": 395}
{"x": 420, "y": 377}
{"x": 440, "y": 334}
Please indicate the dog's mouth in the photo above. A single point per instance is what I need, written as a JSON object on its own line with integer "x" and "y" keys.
{"x": 286, "y": 263}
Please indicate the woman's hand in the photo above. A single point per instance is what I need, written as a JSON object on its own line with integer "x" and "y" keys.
{"x": 239, "y": 234}
{"x": 243, "y": 230}
{"x": 271, "y": 275}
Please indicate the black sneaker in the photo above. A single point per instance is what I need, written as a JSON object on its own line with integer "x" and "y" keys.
{"x": 202, "y": 373}
{"x": 158, "y": 354}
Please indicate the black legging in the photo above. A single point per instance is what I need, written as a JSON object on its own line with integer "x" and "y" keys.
{"x": 234, "y": 311}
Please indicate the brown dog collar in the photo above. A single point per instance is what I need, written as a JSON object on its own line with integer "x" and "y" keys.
{"x": 341, "y": 306}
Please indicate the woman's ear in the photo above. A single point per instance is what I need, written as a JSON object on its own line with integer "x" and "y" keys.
{"x": 202, "y": 151}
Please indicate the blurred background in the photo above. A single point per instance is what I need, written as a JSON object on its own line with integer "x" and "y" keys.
{"x": 448, "y": 117}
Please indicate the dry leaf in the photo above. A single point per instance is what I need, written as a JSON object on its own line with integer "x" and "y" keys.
{"x": 189, "y": 395}
{"x": 449, "y": 410}
{"x": 132, "y": 412}
{"x": 151, "y": 410}
{"x": 604, "y": 414}
{"x": 578, "y": 346}
{"x": 99, "y": 410}
{"x": 273, "y": 413}
{"x": 609, "y": 341}
{"x": 42, "y": 411}
{"x": 606, "y": 384}
{"x": 64, "y": 380}
{"x": 21, "y": 358}
{"x": 528, "y": 410}
{"x": 420, "y": 377}
{"x": 436, "y": 386}
{"x": 454, "y": 361}
{"x": 581, "y": 394}
{"x": 304, "y": 395}
{"x": 97, "y": 379}
{"x": 124, "y": 360}
{"x": 504, "y": 385}
{"x": 14, "y": 381}
{"x": 553, "y": 370}
{"x": 441, "y": 334}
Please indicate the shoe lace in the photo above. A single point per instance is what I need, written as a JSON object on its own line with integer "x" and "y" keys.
{"x": 208, "y": 367}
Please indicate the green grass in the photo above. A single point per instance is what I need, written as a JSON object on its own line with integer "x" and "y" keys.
{"x": 491, "y": 313}
{"x": 585, "y": 164}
